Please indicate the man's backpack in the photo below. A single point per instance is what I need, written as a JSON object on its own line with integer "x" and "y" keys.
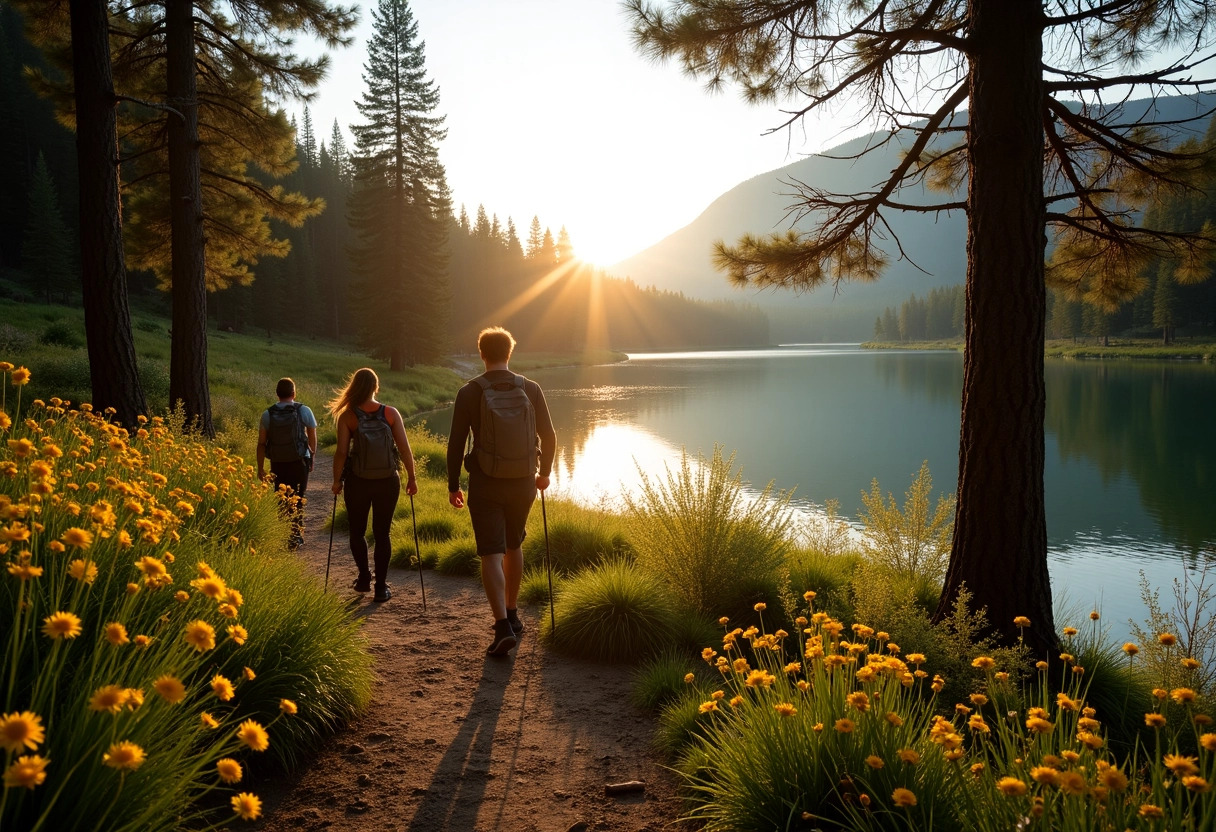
{"x": 507, "y": 446}
{"x": 374, "y": 456}
{"x": 286, "y": 437}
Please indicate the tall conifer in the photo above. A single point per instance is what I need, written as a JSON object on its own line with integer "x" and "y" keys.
{"x": 44, "y": 255}
{"x": 400, "y": 209}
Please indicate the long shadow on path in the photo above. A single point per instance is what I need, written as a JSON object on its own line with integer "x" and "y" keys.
{"x": 455, "y": 795}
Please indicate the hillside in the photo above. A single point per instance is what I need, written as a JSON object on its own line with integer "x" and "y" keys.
{"x": 681, "y": 261}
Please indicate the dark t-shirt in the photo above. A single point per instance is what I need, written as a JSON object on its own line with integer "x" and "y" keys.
{"x": 466, "y": 416}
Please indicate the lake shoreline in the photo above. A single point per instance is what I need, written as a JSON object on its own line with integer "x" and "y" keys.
{"x": 1124, "y": 349}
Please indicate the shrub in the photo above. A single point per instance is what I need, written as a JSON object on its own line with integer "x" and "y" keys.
{"x": 707, "y": 540}
{"x": 458, "y": 557}
{"x": 611, "y": 612}
{"x": 112, "y": 556}
{"x": 436, "y": 529}
{"x": 829, "y": 575}
{"x": 679, "y": 724}
{"x": 660, "y": 680}
{"x": 62, "y": 334}
{"x": 910, "y": 543}
{"x": 534, "y": 587}
{"x": 573, "y": 546}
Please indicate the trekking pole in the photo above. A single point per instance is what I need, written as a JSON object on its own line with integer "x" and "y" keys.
{"x": 333, "y": 515}
{"x": 417, "y": 553}
{"x": 548, "y": 559}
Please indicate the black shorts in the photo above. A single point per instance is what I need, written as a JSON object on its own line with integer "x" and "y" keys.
{"x": 499, "y": 510}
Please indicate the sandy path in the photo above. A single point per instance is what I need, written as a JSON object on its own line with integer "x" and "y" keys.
{"x": 455, "y": 740}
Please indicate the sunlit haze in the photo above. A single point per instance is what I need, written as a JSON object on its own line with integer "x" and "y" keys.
{"x": 552, "y": 112}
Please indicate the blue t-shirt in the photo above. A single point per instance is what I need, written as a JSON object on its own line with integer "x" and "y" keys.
{"x": 310, "y": 421}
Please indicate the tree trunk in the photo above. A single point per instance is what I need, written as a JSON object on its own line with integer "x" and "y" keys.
{"x": 103, "y": 270}
{"x": 188, "y": 357}
{"x": 999, "y": 549}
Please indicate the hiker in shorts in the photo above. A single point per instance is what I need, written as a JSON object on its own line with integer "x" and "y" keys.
{"x": 287, "y": 436}
{"x": 371, "y": 447}
{"x": 513, "y": 447}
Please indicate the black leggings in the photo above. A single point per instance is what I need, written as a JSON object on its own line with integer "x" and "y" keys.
{"x": 380, "y": 498}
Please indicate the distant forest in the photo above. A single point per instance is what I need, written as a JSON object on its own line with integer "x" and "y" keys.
{"x": 1171, "y": 301}
{"x": 488, "y": 274}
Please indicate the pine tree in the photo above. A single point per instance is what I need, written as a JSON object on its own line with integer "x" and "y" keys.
{"x": 1040, "y": 145}
{"x": 1165, "y": 305}
{"x": 400, "y": 209}
{"x": 44, "y": 255}
{"x": 535, "y": 239}
{"x": 565, "y": 250}
{"x": 514, "y": 249}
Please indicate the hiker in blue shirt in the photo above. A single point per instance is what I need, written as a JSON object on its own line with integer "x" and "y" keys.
{"x": 287, "y": 436}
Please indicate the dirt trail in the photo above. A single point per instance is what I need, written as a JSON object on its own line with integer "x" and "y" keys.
{"x": 456, "y": 740}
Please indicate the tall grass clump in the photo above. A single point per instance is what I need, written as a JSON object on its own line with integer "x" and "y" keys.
{"x": 660, "y": 680}
{"x": 578, "y": 536}
{"x": 711, "y": 544}
{"x": 843, "y": 729}
{"x": 157, "y": 643}
{"x": 914, "y": 542}
{"x": 612, "y": 612}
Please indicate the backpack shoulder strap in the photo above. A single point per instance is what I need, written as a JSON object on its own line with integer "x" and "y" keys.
{"x": 484, "y": 383}
{"x": 380, "y": 415}
{"x": 520, "y": 381}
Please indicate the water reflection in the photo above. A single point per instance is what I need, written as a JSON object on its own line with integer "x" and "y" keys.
{"x": 1130, "y": 465}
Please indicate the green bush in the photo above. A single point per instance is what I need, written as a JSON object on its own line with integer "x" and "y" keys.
{"x": 534, "y": 587}
{"x": 436, "y": 529}
{"x": 710, "y": 543}
{"x": 573, "y": 546}
{"x": 680, "y": 724}
{"x": 829, "y": 576}
{"x": 62, "y": 334}
{"x": 611, "y": 612}
{"x": 660, "y": 680}
{"x": 458, "y": 557}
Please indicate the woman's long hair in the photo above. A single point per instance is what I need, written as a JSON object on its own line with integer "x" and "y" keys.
{"x": 360, "y": 387}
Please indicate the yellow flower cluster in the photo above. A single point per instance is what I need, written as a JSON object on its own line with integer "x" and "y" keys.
{"x": 86, "y": 508}
{"x": 852, "y": 680}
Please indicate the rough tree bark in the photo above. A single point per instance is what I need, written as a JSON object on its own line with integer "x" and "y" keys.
{"x": 1000, "y": 530}
{"x": 188, "y": 358}
{"x": 107, "y": 318}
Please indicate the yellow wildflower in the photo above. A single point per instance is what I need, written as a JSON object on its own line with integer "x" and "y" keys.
{"x": 903, "y": 798}
{"x": 21, "y": 730}
{"x": 290, "y": 708}
{"x": 1180, "y": 765}
{"x": 1011, "y": 786}
{"x": 247, "y": 806}
{"x": 61, "y": 625}
{"x": 200, "y": 635}
{"x": 874, "y": 761}
{"x": 222, "y": 688}
{"x": 170, "y": 689}
{"x": 27, "y": 771}
{"x": 229, "y": 770}
{"x": 108, "y": 698}
{"x": 1196, "y": 784}
{"x": 124, "y": 755}
{"x": 79, "y": 538}
{"x": 253, "y": 735}
{"x": 785, "y": 709}
{"x": 208, "y": 720}
{"x": 1183, "y": 696}
{"x": 908, "y": 755}
{"x": 116, "y": 634}
{"x": 844, "y": 726}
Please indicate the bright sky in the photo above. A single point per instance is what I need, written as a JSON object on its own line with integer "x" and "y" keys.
{"x": 551, "y": 112}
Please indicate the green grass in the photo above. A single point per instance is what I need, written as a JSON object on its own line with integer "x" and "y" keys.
{"x": 660, "y": 680}
{"x": 611, "y": 612}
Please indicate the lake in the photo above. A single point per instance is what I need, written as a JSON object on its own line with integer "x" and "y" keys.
{"x": 1131, "y": 450}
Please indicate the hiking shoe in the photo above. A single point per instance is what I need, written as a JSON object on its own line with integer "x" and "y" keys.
{"x": 383, "y": 593}
{"x": 363, "y": 584}
{"x": 517, "y": 624}
{"x": 504, "y": 639}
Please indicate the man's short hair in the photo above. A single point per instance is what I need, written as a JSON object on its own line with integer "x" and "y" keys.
{"x": 495, "y": 344}
{"x": 286, "y": 388}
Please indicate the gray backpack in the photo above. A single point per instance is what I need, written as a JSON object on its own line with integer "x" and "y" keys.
{"x": 374, "y": 456}
{"x": 507, "y": 447}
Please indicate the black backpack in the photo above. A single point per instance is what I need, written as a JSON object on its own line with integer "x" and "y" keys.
{"x": 374, "y": 456}
{"x": 507, "y": 446}
{"x": 286, "y": 437}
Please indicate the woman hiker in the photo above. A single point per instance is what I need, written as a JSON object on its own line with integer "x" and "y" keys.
{"x": 371, "y": 445}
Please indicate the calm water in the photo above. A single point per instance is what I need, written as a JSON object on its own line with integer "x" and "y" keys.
{"x": 1131, "y": 450}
